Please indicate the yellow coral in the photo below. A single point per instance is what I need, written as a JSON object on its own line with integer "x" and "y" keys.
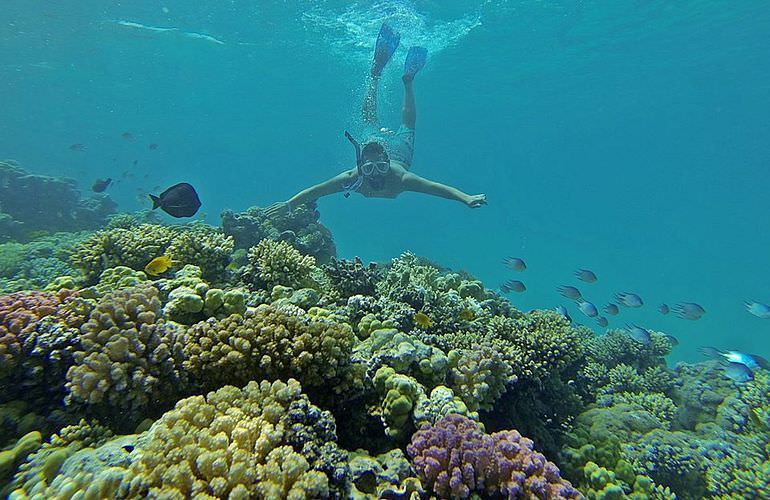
{"x": 286, "y": 475}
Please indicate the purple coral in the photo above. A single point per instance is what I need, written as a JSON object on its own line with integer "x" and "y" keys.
{"x": 455, "y": 458}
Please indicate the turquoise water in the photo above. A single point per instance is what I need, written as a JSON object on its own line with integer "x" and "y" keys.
{"x": 628, "y": 137}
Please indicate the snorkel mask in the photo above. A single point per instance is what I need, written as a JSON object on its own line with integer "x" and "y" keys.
{"x": 377, "y": 162}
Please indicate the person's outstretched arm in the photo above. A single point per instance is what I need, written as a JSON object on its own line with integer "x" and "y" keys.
{"x": 334, "y": 185}
{"x": 413, "y": 182}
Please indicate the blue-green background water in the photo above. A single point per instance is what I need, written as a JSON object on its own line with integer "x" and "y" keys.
{"x": 628, "y": 137}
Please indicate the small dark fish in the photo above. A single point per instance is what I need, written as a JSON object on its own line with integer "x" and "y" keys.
{"x": 78, "y": 147}
{"x": 629, "y": 299}
{"x": 672, "y": 340}
{"x": 515, "y": 286}
{"x": 180, "y": 200}
{"x": 135, "y": 162}
{"x": 602, "y": 321}
{"x": 639, "y": 334}
{"x": 586, "y": 275}
{"x": 100, "y": 185}
{"x": 758, "y": 309}
{"x": 153, "y": 146}
{"x": 563, "y": 311}
{"x": 570, "y": 292}
{"x": 663, "y": 309}
{"x": 611, "y": 309}
{"x": 738, "y": 372}
{"x": 689, "y": 310}
{"x": 127, "y": 136}
{"x": 588, "y": 309}
{"x": 515, "y": 263}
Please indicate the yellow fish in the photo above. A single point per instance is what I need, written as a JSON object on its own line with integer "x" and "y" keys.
{"x": 423, "y": 320}
{"x": 158, "y": 265}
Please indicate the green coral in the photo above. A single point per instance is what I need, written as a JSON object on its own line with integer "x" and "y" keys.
{"x": 400, "y": 394}
{"x": 479, "y": 376}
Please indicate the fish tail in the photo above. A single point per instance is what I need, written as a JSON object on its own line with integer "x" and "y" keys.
{"x": 155, "y": 201}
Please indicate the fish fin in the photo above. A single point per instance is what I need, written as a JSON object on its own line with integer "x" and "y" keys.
{"x": 155, "y": 201}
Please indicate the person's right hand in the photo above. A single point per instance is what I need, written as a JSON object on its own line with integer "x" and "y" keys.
{"x": 476, "y": 200}
{"x": 278, "y": 209}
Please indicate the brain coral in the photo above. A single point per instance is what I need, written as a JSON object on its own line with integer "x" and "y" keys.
{"x": 267, "y": 342}
{"x": 125, "y": 361}
{"x": 232, "y": 443}
{"x": 455, "y": 459}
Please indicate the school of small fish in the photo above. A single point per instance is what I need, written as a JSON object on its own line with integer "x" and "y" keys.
{"x": 737, "y": 366}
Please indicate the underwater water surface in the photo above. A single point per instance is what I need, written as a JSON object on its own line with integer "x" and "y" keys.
{"x": 630, "y": 138}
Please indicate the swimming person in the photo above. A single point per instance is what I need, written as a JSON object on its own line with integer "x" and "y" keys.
{"x": 384, "y": 158}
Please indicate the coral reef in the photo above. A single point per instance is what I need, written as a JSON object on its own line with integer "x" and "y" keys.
{"x": 125, "y": 361}
{"x": 32, "y": 203}
{"x": 300, "y": 228}
{"x": 273, "y": 263}
{"x": 455, "y": 458}
{"x": 136, "y": 246}
{"x": 267, "y": 342}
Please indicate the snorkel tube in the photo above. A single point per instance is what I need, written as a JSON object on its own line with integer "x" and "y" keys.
{"x": 360, "y": 177}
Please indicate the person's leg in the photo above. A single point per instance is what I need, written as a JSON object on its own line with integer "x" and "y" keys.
{"x": 370, "y": 101}
{"x": 387, "y": 43}
{"x": 409, "y": 111}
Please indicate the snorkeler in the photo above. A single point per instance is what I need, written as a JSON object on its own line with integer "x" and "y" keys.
{"x": 384, "y": 158}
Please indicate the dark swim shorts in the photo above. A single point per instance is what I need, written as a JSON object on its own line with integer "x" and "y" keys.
{"x": 399, "y": 145}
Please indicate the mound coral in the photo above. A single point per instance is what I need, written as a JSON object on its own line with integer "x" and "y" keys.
{"x": 479, "y": 376}
{"x": 233, "y": 443}
{"x": 351, "y": 277}
{"x": 125, "y": 361}
{"x": 454, "y": 458}
{"x": 267, "y": 342}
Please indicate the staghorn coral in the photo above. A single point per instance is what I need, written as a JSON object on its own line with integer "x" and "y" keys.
{"x": 274, "y": 263}
{"x": 225, "y": 445}
{"x": 267, "y": 342}
{"x": 454, "y": 458}
{"x": 125, "y": 362}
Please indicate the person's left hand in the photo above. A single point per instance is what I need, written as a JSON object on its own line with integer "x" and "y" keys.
{"x": 476, "y": 200}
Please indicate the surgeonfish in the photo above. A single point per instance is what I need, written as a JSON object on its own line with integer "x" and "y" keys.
{"x": 180, "y": 200}
{"x": 158, "y": 265}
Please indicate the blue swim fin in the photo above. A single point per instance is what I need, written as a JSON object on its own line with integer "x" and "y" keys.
{"x": 415, "y": 60}
{"x": 387, "y": 43}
